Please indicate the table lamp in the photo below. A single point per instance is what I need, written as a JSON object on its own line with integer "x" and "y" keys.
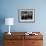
{"x": 9, "y": 21}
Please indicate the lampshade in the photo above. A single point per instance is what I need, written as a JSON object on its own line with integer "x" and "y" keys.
{"x": 9, "y": 21}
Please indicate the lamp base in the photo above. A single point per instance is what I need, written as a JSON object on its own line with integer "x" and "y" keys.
{"x": 9, "y": 33}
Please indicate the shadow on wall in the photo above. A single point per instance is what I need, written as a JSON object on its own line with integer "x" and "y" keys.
{"x": 2, "y": 21}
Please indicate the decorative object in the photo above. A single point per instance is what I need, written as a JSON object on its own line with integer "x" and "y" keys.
{"x": 9, "y": 21}
{"x": 30, "y": 33}
{"x": 26, "y": 15}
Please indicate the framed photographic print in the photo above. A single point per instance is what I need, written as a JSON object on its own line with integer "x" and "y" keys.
{"x": 26, "y": 15}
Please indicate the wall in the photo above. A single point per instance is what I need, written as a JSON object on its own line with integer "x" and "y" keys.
{"x": 9, "y": 8}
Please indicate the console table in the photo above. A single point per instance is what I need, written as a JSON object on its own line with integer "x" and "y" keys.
{"x": 21, "y": 39}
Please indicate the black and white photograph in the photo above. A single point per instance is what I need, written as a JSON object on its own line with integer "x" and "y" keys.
{"x": 26, "y": 15}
